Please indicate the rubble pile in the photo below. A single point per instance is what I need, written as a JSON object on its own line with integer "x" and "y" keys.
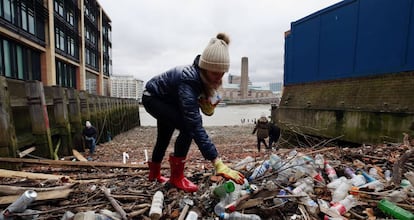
{"x": 329, "y": 182}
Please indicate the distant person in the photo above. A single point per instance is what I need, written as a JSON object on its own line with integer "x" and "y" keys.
{"x": 262, "y": 131}
{"x": 90, "y": 134}
{"x": 274, "y": 134}
{"x": 175, "y": 98}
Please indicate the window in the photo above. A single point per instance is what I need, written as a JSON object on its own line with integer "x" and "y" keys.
{"x": 65, "y": 74}
{"x": 7, "y": 9}
{"x": 30, "y": 15}
{"x": 18, "y": 61}
{"x": 20, "y": 67}
{"x": 7, "y": 60}
{"x": 23, "y": 16}
{"x": 59, "y": 7}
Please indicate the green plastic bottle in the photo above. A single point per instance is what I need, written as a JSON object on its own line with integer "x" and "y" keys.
{"x": 223, "y": 189}
{"x": 395, "y": 211}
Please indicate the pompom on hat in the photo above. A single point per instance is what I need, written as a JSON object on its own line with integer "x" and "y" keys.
{"x": 215, "y": 56}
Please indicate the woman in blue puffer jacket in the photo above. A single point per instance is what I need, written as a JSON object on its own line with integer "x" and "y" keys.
{"x": 174, "y": 99}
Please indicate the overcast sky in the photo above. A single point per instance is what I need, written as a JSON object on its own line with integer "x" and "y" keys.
{"x": 152, "y": 36}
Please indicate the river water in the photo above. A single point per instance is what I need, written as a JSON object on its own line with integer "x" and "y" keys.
{"x": 223, "y": 115}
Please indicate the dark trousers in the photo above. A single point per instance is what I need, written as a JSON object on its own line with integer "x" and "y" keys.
{"x": 168, "y": 118}
{"x": 271, "y": 142}
{"x": 259, "y": 141}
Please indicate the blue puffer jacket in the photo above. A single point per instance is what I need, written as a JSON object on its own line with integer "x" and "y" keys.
{"x": 183, "y": 86}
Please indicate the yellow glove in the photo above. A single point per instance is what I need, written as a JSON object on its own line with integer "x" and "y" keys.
{"x": 206, "y": 106}
{"x": 228, "y": 173}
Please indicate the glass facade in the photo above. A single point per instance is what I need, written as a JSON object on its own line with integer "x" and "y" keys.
{"x": 65, "y": 74}
{"x": 24, "y": 17}
{"x": 18, "y": 61}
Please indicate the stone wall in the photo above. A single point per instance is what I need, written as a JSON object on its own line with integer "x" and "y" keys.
{"x": 369, "y": 109}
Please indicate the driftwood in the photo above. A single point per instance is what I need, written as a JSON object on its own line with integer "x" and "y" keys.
{"x": 75, "y": 163}
{"x": 397, "y": 168}
{"x": 114, "y": 203}
{"x": 20, "y": 174}
{"x": 78, "y": 155}
{"x": 17, "y": 190}
{"x": 58, "y": 194}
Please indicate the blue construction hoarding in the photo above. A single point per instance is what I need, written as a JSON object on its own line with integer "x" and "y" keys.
{"x": 353, "y": 38}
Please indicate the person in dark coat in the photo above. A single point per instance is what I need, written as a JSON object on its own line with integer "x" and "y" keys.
{"x": 90, "y": 134}
{"x": 175, "y": 98}
{"x": 274, "y": 134}
{"x": 262, "y": 131}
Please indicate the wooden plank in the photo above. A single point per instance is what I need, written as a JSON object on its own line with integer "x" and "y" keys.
{"x": 76, "y": 163}
{"x": 58, "y": 194}
{"x": 16, "y": 190}
{"x": 78, "y": 155}
{"x": 14, "y": 174}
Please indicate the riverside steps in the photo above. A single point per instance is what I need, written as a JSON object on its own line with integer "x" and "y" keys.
{"x": 47, "y": 121}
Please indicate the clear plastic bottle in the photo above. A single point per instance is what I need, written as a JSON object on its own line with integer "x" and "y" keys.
{"x": 335, "y": 183}
{"x": 156, "y": 205}
{"x": 316, "y": 175}
{"x": 374, "y": 173}
{"x": 275, "y": 162}
{"x": 342, "y": 191}
{"x": 356, "y": 179}
{"x": 330, "y": 171}
{"x": 310, "y": 204}
{"x": 280, "y": 201}
{"x": 387, "y": 175}
{"x": 344, "y": 205}
{"x": 260, "y": 170}
{"x": 305, "y": 185}
{"x": 375, "y": 185}
{"x": 319, "y": 161}
{"x": 192, "y": 215}
{"x": 243, "y": 163}
{"x": 235, "y": 194}
{"x": 220, "y": 207}
{"x": 239, "y": 216}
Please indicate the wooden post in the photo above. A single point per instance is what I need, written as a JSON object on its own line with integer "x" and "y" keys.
{"x": 8, "y": 142}
{"x": 39, "y": 118}
{"x": 62, "y": 120}
{"x": 75, "y": 119}
{"x": 84, "y": 106}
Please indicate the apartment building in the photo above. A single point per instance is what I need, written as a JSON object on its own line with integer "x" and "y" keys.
{"x": 58, "y": 42}
{"x": 125, "y": 86}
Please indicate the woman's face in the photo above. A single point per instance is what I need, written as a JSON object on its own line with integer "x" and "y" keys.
{"x": 214, "y": 78}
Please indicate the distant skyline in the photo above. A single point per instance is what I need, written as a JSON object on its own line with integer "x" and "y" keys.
{"x": 152, "y": 36}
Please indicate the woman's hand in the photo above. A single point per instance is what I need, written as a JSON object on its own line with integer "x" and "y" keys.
{"x": 228, "y": 173}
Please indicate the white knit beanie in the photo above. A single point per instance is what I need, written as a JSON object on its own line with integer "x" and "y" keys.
{"x": 215, "y": 56}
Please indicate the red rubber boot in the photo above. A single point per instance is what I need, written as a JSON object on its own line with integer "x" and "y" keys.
{"x": 155, "y": 173}
{"x": 177, "y": 178}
